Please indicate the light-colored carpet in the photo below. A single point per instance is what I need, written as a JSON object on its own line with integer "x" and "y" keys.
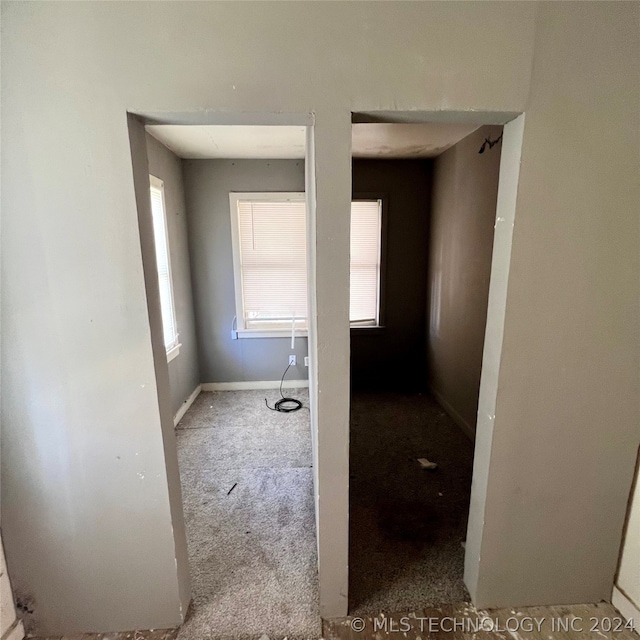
{"x": 252, "y": 551}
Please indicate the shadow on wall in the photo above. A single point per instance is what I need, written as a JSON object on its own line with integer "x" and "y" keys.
{"x": 392, "y": 358}
{"x": 463, "y": 212}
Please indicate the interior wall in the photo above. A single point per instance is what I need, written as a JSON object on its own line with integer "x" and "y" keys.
{"x": 77, "y": 360}
{"x": 184, "y": 372}
{"x": 174, "y": 563}
{"x": 463, "y": 212}
{"x": 207, "y": 187}
{"x": 570, "y": 351}
{"x": 386, "y": 358}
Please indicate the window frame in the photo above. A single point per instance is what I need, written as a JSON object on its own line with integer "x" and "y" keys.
{"x": 383, "y": 197}
{"x": 173, "y": 349}
{"x": 265, "y": 196}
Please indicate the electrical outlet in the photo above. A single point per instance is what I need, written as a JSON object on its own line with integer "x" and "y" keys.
{"x": 292, "y": 361}
{"x": 306, "y": 361}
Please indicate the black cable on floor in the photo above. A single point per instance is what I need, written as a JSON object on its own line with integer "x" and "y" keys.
{"x": 285, "y": 405}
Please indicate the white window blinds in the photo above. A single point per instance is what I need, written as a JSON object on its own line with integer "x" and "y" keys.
{"x": 163, "y": 263}
{"x": 272, "y": 260}
{"x": 366, "y": 219}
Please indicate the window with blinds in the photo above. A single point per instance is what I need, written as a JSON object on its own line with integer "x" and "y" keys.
{"x": 270, "y": 260}
{"x": 163, "y": 262}
{"x": 366, "y": 229}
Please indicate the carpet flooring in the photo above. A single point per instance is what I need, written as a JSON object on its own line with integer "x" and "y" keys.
{"x": 252, "y": 546}
{"x": 248, "y": 502}
{"x": 406, "y": 524}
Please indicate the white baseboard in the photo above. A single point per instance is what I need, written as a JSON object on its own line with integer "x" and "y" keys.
{"x": 186, "y": 404}
{"x": 254, "y": 384}
{"x": 626, "y": 607}
{"x": 457, "y": 418}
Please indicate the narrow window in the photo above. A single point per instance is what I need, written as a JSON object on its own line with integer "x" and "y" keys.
{"x": 366, "y": 229}
{"x": 163, "y": 260}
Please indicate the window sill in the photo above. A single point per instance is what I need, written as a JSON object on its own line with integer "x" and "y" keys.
{"x": 300, "y": 333}
{"x": 270, "y": 333}
{"x": 173, "y": 352}
{"x": 368, "y": 331}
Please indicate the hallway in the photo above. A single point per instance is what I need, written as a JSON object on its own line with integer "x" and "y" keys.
{"x": 407, "y": 523}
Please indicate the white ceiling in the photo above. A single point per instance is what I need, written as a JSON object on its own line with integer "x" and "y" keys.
{"x": 222, "y": 141}
{"x": 375, "y": 140}
{"x": 382, "y": 140}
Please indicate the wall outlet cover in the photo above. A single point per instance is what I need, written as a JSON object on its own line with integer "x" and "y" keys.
{"x": 292, "y": 360}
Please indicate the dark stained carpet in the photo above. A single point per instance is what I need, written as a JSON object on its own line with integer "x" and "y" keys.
{"x": 406, "y": 524}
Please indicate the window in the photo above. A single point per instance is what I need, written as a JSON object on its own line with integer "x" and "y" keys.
{"x": 366, "y": 232}
{"x": 163, "y": 260}
{"x": 270, "y": 262}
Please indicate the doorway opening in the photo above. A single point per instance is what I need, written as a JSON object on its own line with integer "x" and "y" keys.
{"x": 229, "y": 233}
{"x": 416, "y": 366}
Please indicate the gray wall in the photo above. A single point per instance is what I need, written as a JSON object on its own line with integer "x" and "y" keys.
{"x": 184, "y": 373}
{"x": 175, "y": 563}
{"x": 207, "y": 187}
{"x": 463, "y": 212}
{"x": 78, "y": 373}
{"x": 389, "y": 358}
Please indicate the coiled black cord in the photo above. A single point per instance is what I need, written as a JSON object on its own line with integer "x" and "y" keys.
{"x": 285, "y": 405}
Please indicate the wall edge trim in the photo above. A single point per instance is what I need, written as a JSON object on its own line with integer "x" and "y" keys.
{"x": 184, "y": 407}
